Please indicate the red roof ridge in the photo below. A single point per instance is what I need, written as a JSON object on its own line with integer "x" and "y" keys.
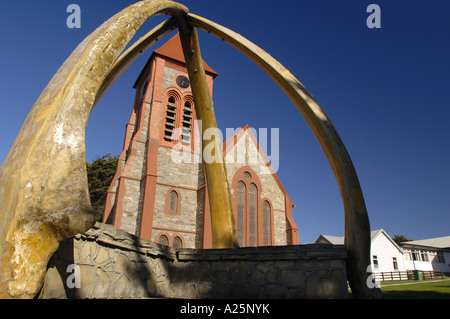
{"x": 172, "y": 49}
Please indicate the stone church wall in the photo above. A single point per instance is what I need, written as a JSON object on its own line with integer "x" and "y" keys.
{"x": 270, "y": 188}
{"x": 115, "y": 264}
{"x": 186, "y": 178}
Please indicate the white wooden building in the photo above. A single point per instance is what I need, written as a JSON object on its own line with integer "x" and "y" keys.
{"x": 431, "y": 254}
{"x": 386, "y": 255}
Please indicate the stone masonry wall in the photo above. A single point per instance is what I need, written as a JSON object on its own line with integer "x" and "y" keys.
{"x": 115, "y": 264}
{"x": 187, "y": 179}
{"x": 246, "y": 150}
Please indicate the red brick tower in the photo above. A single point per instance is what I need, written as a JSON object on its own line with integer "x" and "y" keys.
{"x": 157, "y": 198}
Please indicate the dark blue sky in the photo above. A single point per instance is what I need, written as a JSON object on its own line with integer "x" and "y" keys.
{"x": 385, "y": 90}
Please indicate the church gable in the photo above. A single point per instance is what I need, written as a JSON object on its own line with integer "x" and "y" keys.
{"x": 242, "y": 149}
{"x": 259, "y": 199}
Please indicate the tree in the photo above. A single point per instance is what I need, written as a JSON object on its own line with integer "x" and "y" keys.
{"x": 100, "y": 173}
{"x": 400, "y": 239}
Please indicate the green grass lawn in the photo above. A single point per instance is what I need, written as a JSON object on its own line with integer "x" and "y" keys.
{"x": 426, "y": 289}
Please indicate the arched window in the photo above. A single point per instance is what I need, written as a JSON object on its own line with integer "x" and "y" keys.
{"x": 171, "y": 115}
{"x": 163, "y": 240}
{"x": 178, "y": 120}
{"x": 173, "y": 202}
{"x": 253, "y": 212}
{"x": 177, "y": 242}
{"x": 267, "y": 227}
{"x": 186, "y": 124}
{"x": 241, "y": 208}
{"x": 254, "y": 217}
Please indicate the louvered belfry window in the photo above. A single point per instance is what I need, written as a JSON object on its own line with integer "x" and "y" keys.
{"x": 171, "y": 114}
{"x": 178, "y": 120}
{"x": 186, "y": 124}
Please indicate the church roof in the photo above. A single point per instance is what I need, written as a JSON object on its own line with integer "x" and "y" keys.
{"x": 172, "y": 49}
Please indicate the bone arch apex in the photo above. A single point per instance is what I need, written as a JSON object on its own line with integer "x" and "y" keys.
{"x": 357, "y": 226}
{"x": 106, "y": 71}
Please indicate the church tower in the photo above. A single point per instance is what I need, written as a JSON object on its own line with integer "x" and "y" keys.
{"x": 164, "y": 200}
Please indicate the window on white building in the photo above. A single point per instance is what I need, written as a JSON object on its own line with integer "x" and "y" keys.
{"x": 375, "y": 262}
{"x": 408, "y": 255}
{"x": 394, "y": 261}
{"x": 424, "y": 255}
{"x": 440, "y": 257}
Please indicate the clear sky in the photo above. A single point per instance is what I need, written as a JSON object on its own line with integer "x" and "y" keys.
{"x": 385, "y": 90}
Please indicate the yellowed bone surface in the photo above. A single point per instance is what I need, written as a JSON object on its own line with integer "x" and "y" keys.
{"x": 43, "y": 185}
{"x": 222, "y": 219}
{"x": 357, "y": 226}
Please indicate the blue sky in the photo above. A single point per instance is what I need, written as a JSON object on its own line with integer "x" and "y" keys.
{"x": 385, "y": 90}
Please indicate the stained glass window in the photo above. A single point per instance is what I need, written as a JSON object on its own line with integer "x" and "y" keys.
{"x": 163, "y": 240}
{"x": 266, "y": 224}
{"x": 253, "y": 212}
{"x": 173, "y": 202}
{"x": 177, "y": 243}
{"x": 241, "y": 204}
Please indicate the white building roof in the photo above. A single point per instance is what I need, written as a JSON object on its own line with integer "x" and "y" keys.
{"x": 339, "y": 240}
{"x": 438, "y": 242}
{"x": 335, "y": 240}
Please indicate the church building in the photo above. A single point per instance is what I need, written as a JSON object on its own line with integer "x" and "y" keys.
{"x": 155, "y": 195}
